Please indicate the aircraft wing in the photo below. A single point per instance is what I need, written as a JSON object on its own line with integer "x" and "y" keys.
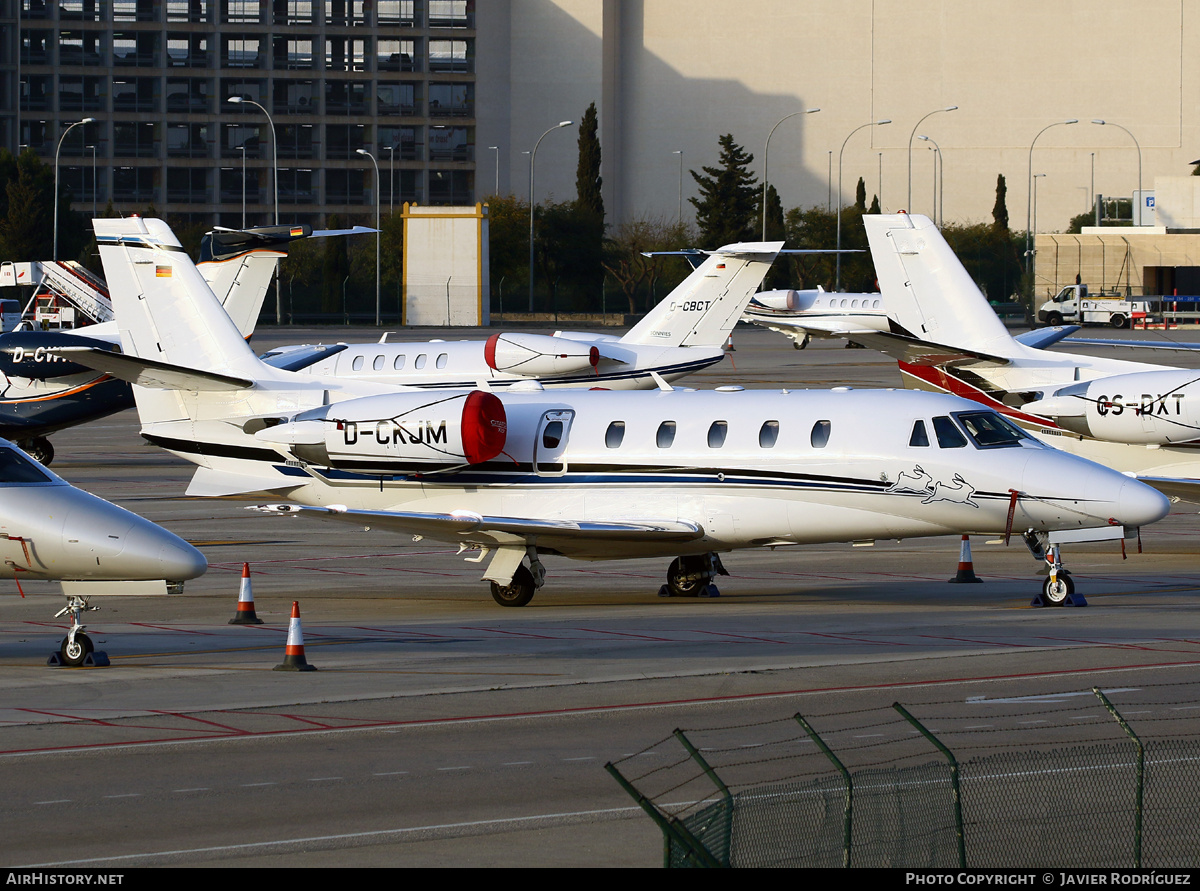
{"x": 911, "y": 351}
{"x": 472, "y": 527}
{"x": 830, "y": 327}
{"x": 1163, "y": 345}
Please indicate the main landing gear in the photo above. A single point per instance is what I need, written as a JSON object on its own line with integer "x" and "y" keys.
{"x": 39, "y": 449}
{"x": 77, "y": 648}
{"x": 525, "y": 582}
{"x": 1058, "y": 588}
{"x": 692, "y": 576}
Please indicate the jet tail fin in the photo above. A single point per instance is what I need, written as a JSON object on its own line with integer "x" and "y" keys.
{"x": 703, "y": 309}
{"x": 927, "y": 291}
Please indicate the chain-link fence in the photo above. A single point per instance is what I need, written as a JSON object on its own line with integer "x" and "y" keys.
{"x": 1075, "y": 779}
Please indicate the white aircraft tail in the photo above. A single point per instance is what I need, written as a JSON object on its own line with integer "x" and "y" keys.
{"x": 703, "y": 309}
{"x": 927, "y": 291}
{"x": 153, "y": 282}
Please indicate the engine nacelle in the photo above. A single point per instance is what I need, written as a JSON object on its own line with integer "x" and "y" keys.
{"x": 1145, "y": 407}
{"x": 789, "y": 300}
{"x": 397, "y": 430}
{"x": 536, "y": 355}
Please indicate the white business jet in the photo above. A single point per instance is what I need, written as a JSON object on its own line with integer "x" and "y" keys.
{"x": 802, "y": 315}
{"x": 592, "y": 475}
{"x": 52, "y": 531}
{"x": 1135, "y": 417}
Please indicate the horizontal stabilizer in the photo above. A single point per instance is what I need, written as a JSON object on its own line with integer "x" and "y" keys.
{"x": 911, "y": 351}
{"x": 1150, "y": 345}
{"x": 1040, "y": 338}
{"x": 152, "y": 374}
{"x": 302, "y": 356}
{"x": 1181, "y": 489}
{"x": 459, "y": 524}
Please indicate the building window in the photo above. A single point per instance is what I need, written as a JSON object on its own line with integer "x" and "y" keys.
{"x": 187, "y": 10}
{"x": 187, "y": 50}
{"x": 189, "y": 95}
{"x": 135, "y": 94}
{"x": 240, "y": 12}
{"x": 343, "y": 141}
{"x": 234, "y": 186}
{"x": 292, "y": 12}
{"x": 345, "y": 54}
{"x": 451, "y": 100}
{"x": 79, "y": 47}
{"x": 187, "y": 185}
{"x": 295, "y": 140}
{"x": 395, "y": 55}
{"x": 187, "y": 141}
{"x": 451, "y": 14}
{"x": 451, "y": 144}
{"x": 296, "y": 97}
{"x": 342, "y": 97}
{"x": 294, "y": 53}
{"x": 134, "y": 10}
{"x": 451, "y": 186}
{"x": 397, "y": 98}
{"x": 452, "y": 55}
{"x": 133, "y": 140}
{"x": 241, "y": 52}
{"x": 297, "y": 186}
{"x": 35, "y": 47}
{"x": 238, "y": 137}
{"x": 79, "y": 93}
{"x": 349, "y": 187}
{"x": 396, "y": 12}
{"x": 133, "y": 183}
{"x": 345, "y": 12}
{"x": 137, "y": 49}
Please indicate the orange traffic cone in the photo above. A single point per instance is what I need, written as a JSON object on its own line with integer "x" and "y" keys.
{"x": 966, "y": 569}
{"x": 293, "y": 654}
{"x": 245, "y": 614}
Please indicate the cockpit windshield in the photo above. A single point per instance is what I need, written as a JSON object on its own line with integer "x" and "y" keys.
{"x": 990, "y": 430}
{"x": 16, "y": 468}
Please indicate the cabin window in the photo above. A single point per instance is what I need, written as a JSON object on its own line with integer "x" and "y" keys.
{"x": 717, "y": 433}
{"x": 990, "y": 430}
{"x": 948, "y": 435}
{"x": 420, "y": 362}
{"x": 666, "y": 434}
{"x": 920, "y": 436}
{"x": 552, "y": 435}
{"x": 768, "y": 433}
{"x": 358, "y": 363}
{"x": 441, "y": 360}
{"x": 820, "y": 434}
{"x": 378, "y": 363}
{"x": 399, "y": 363}
{"x": 874, "y": 304}
{"x": 614, "y": 434}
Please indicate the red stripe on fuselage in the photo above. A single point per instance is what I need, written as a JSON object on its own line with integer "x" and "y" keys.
{"x": 947, "y": 383}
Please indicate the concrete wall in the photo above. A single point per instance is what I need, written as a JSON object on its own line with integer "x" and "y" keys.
{"x": 445, "y": 278}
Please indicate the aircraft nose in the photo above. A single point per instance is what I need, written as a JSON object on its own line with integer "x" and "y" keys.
{"x": 161, "y": 554}
{"x": 1140, "y": 504}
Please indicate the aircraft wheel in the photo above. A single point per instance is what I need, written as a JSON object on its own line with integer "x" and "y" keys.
{"x": 1057, "y": 593}
{"x": 39, "y": 449}
{"x": 73, "y": 652}
{"x": 682, "y": 581}
{"x": 518, "y": 592}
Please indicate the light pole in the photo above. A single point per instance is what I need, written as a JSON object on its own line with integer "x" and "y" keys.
{"x": 378, "y": 298}
{"x": 766, "y": 155}
{"x": 391, "y": 180}
{"x": 532, "y": 158}
{"x": 939, "y": 187}
{"x": 56, "y": 151}
{"x": 242, "y": 148}
{"x": 1029, "y": 196}
{"x": 496, "y": 149}
{"x": 239, "y": 100}
{"x": 1139, "y": 151}
{"x": 837, "y": 285}
{"x": 1036, "y": 177}
{"x": 93, "y": 148}
{"x": 910, "y": 139}
{"x": 680, "y": 153}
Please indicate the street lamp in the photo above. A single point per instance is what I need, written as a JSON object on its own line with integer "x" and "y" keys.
{"x": 93, "y": 148}
{"x": 56, "y": 151}
{"x": 1029, "y": 194}
{"x": 391, "y": 180}
{"x": 910, "y": 139}
{"x": 766, "y": 154}
{"x": 680, "y": 153}
{"x": 837, "y": 285}
{"x": 242, "y": 148}
{"x": 1139, "y": 151}
{"x": 378, "y": 297}
{"x": 496, "y": 149}
{"x": 1036, "y": 177}
{"x": 939, "y": 188}
{"x": 532, "y": 158}
{"x": 239, "y": 100}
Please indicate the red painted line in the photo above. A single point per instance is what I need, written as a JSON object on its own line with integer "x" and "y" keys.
{"x": 196, "y": 720}
{"x": 994, "y": 643}
{"x": 513, "y": 633}
{"x": 626, "y": 634}
{"x": 879, "y": 643}
{"x": 402, "y": 632}
{"x": 744, "y": 697}
{"x": 737, "y": 636}
{"x": 172, "y": 628}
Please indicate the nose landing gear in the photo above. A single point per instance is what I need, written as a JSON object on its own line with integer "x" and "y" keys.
{"x": 77, "y": 648}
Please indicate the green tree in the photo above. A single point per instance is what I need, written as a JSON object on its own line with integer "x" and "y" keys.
{"x": 1000, "y": 208}
{"x": 27, "y": 220}
{"x": 585, "y": 221}
{"x": 335, "y": 269}
{"x": 780, "y": 274}
{"x": 728, "y": 203}
{"x": 508, "y": 252}
{"x": 638, "y": 276}
{"x": 860, "y": 196}
{"x": 587, "y": 173}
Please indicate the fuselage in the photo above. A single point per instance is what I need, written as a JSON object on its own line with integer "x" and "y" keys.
{"x": 751, "y": 467}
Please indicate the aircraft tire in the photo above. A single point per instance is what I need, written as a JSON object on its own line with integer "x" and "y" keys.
{"x": 518, "y": 592}
{"x": 1059, "y": 592}
{"x": 74, "y": 653}
{"x": 683, "y": 583}
{"x": 40, "y": 449}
